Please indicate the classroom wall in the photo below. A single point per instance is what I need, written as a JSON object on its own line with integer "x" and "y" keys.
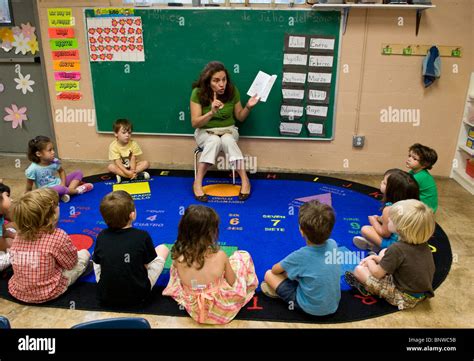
{"x": 388, "y": 81}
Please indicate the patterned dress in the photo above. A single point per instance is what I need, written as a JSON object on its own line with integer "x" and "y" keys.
{"x": 217, "y": 302}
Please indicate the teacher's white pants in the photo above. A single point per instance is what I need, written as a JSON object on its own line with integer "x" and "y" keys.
{"x": 212, "y": 144}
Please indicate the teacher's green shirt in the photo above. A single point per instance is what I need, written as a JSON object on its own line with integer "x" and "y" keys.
{"x": 225, "y": 116}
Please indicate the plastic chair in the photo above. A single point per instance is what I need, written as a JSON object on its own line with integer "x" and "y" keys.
{"x": 115, "y": 323}
{"x": 4, "y": 323}
{"x": 196, "y": 155}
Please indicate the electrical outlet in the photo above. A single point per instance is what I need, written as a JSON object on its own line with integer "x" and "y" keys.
{"x": 358, "y": 141}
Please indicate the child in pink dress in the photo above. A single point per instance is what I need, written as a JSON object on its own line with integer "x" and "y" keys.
{"x": 209, "y": 285}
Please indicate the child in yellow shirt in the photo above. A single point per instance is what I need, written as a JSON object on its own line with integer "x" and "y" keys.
{"x": 124, "y": 152}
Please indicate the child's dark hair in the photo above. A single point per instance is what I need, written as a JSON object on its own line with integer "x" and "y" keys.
{"x": 115, "y": 208}
{"x": 316, "y": 220}
{"x": 198, "y": 232}
{"x": 122, "y": 123}
{"x": 37, "y": 144}
{"x": 427, "y": 155}
{"x": 400, "y": 186}
{"x": 4, "y": 188}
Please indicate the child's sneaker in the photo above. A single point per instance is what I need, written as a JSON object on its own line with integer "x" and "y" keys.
{"x": 361, "y": 242}
{"x": 354, "y": 283}
{"x": 267, "y": 291}
{"x": 66, "y": 198}
{"x": 86, "y": 187}
{"x": 119, "y": 179}
{"x": 143, "y": 176}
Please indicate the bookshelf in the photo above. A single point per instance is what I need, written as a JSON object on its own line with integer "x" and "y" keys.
{"x": 463, "y": 152}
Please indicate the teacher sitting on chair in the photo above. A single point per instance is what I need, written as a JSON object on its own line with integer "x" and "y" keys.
{"x": 215, "y": 104}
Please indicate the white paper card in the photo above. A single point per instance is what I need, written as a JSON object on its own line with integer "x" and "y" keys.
{"x": 316, "y": 110}
{"x": 291, "y": 111}
{"x": 315, "y": 128}
{"x": 299, "y": 78}
{"x": 320, "y": 78}
{"x": 291, "y": 128}
{"x": 321, "y": 60}
{"x": 295, "y": 59}
{"x": 293, "y": 93}
{"x": 297, "y": 42}
{"x": 322, "y": 44}
{"x": 317, "y": 94}
{"x": 261, "y": 86}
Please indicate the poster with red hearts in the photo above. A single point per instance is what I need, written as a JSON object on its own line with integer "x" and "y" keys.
{"x": 115, "y": 39}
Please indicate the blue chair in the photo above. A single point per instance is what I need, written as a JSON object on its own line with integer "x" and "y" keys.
{"x": 4, "y": 323}
{"x": 117, "y": 323}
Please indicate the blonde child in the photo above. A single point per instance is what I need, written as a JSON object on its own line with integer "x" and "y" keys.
{"x": 7, "y": 232}
{"x": 305, "y": 279}
{"x": 396, "y": 185}
{"x": 209, "y": 285}
{"x": 44, "y": 260}
{"x": 42, "y": 171}
{"x": 126, "y": 263}
{"x": 124, "y": 152}
{"x": 420, "y": 159}
{"x": 403, "y": 273}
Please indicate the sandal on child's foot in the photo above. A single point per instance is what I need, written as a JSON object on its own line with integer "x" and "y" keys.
{"x": 86, "y": 187}
{"x": 267, "y": 290}
{"x": 352, "y": 281}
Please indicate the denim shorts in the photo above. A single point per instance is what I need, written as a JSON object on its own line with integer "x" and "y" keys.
{"x": 287, "y": 292}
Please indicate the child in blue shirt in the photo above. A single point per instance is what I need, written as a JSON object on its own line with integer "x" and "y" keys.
{"x": 45, "y": 168}
{"x": 304, "y": 279}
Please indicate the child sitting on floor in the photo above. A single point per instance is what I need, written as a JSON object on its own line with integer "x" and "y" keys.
{"x": 403, "y": 273}
{"x": 7, "y": 232}
{"x": 44, "y": 260}
{"x": 126, "y": 263}
{"x": 44, "y": 167}
{"x": 305, "y": 279}
{"x": 420, "y": 159}
{"x": 209, "y": 285}
{"x": 396, "y": 185}
{"x": 124, "y": 152}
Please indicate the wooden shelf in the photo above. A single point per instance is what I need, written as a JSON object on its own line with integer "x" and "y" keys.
{"x": 345, "y": 8}
{"x": 467, "y": 123}
{"x": 464, "y": 179}
{"x": 466, "y": 149}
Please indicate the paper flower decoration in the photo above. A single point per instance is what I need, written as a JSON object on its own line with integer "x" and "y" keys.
{"x": 6, "y": 34}
{"x": 24, "y": 83}
{"x": 33, "y": 44}
{"x": 16, "y": 30}
{"x": 21, "y": 44}
{"x": 15, "y": 115}
{"x": 28, "y": 31}
{"x": 7, "y": 46}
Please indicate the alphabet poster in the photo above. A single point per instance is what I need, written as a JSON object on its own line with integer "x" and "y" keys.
{"x": 115, "y": 39}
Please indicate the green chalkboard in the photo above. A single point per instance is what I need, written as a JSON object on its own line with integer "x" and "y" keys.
{"x": 154, "y": 94}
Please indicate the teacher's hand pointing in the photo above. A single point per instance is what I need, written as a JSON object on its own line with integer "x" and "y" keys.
{"x": 216, "y": 104}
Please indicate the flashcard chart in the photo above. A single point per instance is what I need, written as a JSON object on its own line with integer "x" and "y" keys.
{"x": 115, "y": 39}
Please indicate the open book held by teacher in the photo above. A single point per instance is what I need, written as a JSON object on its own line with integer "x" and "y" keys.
{"x": 262, "y": 85}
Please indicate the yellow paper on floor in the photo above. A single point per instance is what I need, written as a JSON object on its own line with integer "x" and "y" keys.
{"x": 133, "y": 188}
